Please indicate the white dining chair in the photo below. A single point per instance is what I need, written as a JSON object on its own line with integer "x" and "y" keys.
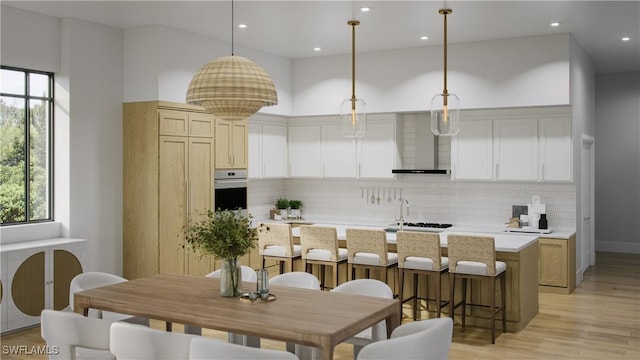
{"x": 212, "y": 349}
{"x": 303, "y": 280}
{"x": 248, "y": 274}
{"x": 94, "y": 279}
{"x": 425, "y": 339}
{"x": 136, "y": 342}
{"x": 72, "y": 336}
{"x": 366, "y": 287}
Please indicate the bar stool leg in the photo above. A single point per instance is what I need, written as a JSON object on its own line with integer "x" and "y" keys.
{"x": 401, "y": 283}
{"x": 438, "y": 291}
{"x": 336, "y": 267}
{"x": 415, "y": 296}
{"x": 492, "y": 292}
{"x": 452, "y": 285}
{"x": 464, "y": 301}
{"x": 503, "y": 293}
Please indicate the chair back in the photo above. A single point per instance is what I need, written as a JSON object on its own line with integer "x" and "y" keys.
{"x": 368, "y": 287}
{"x": 248, "y": 274}
{"x": 136, "y": 342}
{"x": 471, "y": 248}
{"x": 212, "y": 349}
{"x": 319, "y": 237}
{"x": 90, "y": 280}
{"x": 426, "y": 339}
{"x": 367, "y": 241}
{"x": 420, "y": 244}
{"x": 275, "y": 234}
{"x": 297, "y": 279}
{"x": 68, "y": 332}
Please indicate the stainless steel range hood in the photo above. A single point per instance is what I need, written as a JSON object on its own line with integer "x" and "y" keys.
{"x": 426, "y": 147}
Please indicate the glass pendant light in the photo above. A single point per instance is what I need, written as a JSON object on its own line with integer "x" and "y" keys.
{"x": 353, "y": 117}
{"x": 445, "y": 107}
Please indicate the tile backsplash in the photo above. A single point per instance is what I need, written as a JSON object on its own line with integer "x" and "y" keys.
{"x": 433, "y": 198}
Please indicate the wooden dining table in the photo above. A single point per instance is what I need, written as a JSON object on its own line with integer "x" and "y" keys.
{"x": 316, "y": 318}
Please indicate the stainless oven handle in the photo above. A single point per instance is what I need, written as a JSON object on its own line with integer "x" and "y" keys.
{"x": 230, "y": 184}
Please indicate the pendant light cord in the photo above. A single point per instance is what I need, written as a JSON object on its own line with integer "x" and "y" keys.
{"x": 353, "y": 24}
{"x": 232, "y": 27}
{"x": 445, "y": 54}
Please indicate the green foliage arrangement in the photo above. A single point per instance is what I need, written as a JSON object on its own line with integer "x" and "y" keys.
{"x": 282, "y": 203}
{"x": 295, "y": 204}
{"x": 223, "y": 233}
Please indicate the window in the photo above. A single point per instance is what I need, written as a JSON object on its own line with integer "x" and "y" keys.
{"x": 26, "y": 133}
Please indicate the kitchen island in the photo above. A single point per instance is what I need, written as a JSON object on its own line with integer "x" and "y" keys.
{"x": 519, "y": 251}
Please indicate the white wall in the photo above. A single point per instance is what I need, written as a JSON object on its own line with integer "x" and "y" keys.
{"x": 528, "y": 71}
{"x": 618, "y": 162}
{"x": 160, "y": 62}
{"x": 583, "y": 123}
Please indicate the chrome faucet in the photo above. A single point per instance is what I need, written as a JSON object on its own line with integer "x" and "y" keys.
{"x": 400, "y": 220}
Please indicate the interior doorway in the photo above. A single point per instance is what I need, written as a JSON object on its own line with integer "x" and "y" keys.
{"x": 587, "y": 253}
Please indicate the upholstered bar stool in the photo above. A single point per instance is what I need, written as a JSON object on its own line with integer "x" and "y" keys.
{"x": 367, "y": 249}
{"x": 276, "y": 242}
{"x": 320, "y": 247}
{"x": 419, "y": 254}
{"x": 474, "y": 257}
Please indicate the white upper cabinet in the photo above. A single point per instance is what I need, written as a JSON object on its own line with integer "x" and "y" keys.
{"x": 267, "y": 149}
{"x": 555, "y": 160}
{"x": 471, "y": 151}
{"x": 379, "y": 149}
{"x": 515, "y": 149}
{"x": 339, "y": 153}
{"x": 532, "y": 144}
{"x": 305, "y": 150}
{"x": 318, "y": 149}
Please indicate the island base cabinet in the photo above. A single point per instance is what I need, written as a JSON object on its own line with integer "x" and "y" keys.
{"x": 557, "y": 270}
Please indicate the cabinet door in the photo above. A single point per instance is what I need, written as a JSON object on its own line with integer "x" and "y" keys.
{"x": 515, "y": 149}
{"x": 200, "y": 196}
{"x": 339, "y": 153}
{"x": 28, "y": 292}
{"x": 274, "y": 150}
{"x": 173, "y": 122}
{"x": 305, "y": 151}
{"x": 378, "y": 151}
{"x": 553, "y": 262}
{"x": 200, "y": 125}
{"x": 471, "y": 151}
{"x": 223, "y": 144}
{"x": 555, "y": 150}
{"x": 172, "y": 202}
{"x": 68, "y": 262}
{"x": 255, "y": 165}
{"x": 239, "y": 144}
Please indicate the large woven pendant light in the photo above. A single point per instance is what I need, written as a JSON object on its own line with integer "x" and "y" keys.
{"x": 232, "y": 87}
{"x": 445, "y": 107}
{"x": 353, "y": 117}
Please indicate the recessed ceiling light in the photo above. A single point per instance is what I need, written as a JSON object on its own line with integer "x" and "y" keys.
{"x": 317, "y": 49}
{"x": 555, "y": 24}
{"x": 626, "y": 38}
{"x": 365, "y": 9}
{"x": 424, "y": 37}
{"x": 242, "y": 26}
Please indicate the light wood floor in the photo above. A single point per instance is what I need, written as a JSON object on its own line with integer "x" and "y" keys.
{"x": 599, "y": 320}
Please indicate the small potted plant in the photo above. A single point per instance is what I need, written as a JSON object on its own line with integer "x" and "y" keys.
{"x": 225, "y": 234}
{"x": 295, "y": 206}
{"x": 282, "y": 204}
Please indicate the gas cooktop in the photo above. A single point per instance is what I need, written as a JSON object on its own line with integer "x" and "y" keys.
{"x": 428, "y": 225}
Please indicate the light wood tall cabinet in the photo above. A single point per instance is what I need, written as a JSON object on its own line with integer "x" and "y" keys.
{"x": 231, "y": 144}
{"x": 168, "y": 180}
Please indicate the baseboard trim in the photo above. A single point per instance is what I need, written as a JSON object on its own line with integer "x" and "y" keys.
{"x": 618, "y": 247}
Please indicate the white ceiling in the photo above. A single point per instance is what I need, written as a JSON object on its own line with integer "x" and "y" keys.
{"x": 293, "y": 28}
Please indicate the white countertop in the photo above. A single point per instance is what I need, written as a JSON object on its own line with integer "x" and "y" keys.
{"x": 506, "y": 242}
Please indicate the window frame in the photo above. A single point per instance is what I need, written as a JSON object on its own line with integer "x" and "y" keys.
{"x": 27, "y": 140}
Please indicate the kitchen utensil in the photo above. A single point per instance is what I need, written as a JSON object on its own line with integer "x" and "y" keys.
{"x": 367, "y": 198}
{"x": 378, "y": 198}
{"x": 362, "y": 193}
{"x": 373, "y": 197}
{"x": 394, "y": 194}
{"x": 389, "y": 198}
{"x": 401, "y": 195}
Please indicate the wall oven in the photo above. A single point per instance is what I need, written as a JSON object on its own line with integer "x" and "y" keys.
{"x": 230, "y": 189}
